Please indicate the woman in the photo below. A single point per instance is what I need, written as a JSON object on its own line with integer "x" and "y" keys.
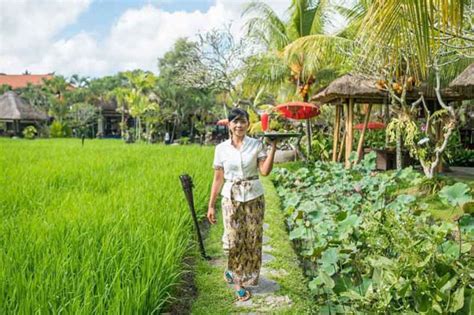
{"x": 237, "y": 163}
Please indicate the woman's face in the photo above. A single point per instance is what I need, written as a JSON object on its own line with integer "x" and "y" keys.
{"x": 239, "y": 126}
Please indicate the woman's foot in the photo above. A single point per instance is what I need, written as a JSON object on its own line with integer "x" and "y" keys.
{"x": 243, "y": 294}
{"x": 228, "y": 277}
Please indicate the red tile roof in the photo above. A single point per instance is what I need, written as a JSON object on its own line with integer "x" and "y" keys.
{"x": 21, "y": 80}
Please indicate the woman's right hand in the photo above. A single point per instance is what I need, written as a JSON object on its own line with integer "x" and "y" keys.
{"x": 211, "y": 215}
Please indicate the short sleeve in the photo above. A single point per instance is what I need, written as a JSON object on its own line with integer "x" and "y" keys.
{"x": 262, "y": 152}
{"x": 218, "y": 164}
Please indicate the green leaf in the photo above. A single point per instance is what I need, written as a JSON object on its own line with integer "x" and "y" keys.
{"x": 308, "y": 206}
{"x": 326, "y": 279}
{"x": 447, "y": 284}
{"x": 315, "y": 284}
{"x": 297, "y": 233}
{"x": 455, "y": 195}
{"x": 457, "y": 300}
{"x": 351, "y": 294}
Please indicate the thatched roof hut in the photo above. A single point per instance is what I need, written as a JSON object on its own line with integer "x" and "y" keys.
{"x": 13, "y": 107}
{"x": 364, "y": 90}
{"x": 464, "y": 83}
{"x": 351, "y": 86}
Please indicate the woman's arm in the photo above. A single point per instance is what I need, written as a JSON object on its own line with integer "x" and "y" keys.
{"x": 266, "y": 166}
{"x": 215, "y": 189}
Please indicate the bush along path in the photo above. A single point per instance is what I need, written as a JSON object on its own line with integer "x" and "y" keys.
{"x": 369, "y": 248}
{"x": 282, "y": 287}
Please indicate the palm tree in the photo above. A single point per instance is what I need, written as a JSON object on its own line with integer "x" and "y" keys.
{"x": 57, "y": 87}
{"x": 120, "y": 95}
{"x": 141, "y": 97}
{"x": 295, "y": 49}
{"x": 298, "y": 52}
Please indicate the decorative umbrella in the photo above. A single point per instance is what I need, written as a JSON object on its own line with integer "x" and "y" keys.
{"x": 300, "y": 111}
{"x": 223, "y": 122}
{"x": 371, "y": 125}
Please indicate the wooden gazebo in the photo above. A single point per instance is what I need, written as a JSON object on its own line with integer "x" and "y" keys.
{"x": 17, "y": 113}
{"x": 351, "y": 89}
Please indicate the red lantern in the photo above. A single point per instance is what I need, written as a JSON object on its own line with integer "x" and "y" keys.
{"x": 223, "y": 122}
{"x": 264, "y": 119}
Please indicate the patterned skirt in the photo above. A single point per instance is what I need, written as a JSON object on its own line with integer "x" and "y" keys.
{"x": 242, "y": 239}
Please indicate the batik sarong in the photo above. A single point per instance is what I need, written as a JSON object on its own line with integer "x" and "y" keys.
{"x": 242, "y": 239}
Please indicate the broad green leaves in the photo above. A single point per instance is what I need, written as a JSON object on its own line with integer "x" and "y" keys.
{"x": 367, "y": 250}
{"x": 455, "y": 195}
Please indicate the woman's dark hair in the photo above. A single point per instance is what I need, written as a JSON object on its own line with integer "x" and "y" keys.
{"x": 236, "y": 113}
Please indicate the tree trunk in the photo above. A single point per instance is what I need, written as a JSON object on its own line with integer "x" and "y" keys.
{"x": 349, "y": 136}
{"x": 399, "y": 149}
{"x": 147, "y": 131}
{"x": 174, "y": 130}
{"x": 337, "y": 122}
{"x": 139, "y": 128}
{"x": 308, "y": 135}
{"x": 122, "y": 127}
{"x": 386, "y": 118}
{"x": 360, "y": 147}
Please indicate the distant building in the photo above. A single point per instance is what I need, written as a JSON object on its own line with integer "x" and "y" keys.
{"x": 16, "y": 114}
{"x": 17, "y": 81}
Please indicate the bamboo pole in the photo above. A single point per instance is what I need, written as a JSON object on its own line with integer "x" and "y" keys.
{"x": 337, "y": 121}
{"x": 362, "y": 135}
{"x": 308, "y": 135}
{"x": 349, "y": 134}
{"x": 341, "y": 148}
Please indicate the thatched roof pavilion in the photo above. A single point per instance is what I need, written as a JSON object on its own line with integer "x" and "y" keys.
{"x": 13, "y": 107}
{"x": 351, "y": 86}
{"x": 350, "y": 89}
{"x": 464, "y": 83}
{"x": 15, "y": 111}
{"x": 364, "y": 90}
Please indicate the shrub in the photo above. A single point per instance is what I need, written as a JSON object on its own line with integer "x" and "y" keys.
{"x": 184, "y": 140}
{"x": 59, "y": 130}
{"x": 29, "y": 132}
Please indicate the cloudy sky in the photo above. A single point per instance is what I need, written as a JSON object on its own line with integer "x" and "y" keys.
{"x": 101, "y": 37}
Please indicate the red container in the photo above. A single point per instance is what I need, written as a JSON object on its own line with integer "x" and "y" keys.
{"x": 264, "y": 119}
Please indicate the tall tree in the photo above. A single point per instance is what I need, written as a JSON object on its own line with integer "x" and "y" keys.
{"x": 297, "y": 52}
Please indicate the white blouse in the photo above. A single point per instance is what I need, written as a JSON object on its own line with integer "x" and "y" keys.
{"x": 240, "y": 164}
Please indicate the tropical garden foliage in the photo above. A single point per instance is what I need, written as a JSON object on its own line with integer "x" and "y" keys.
{"x": 370, "y": 247}
{"x": 392, "y": 242}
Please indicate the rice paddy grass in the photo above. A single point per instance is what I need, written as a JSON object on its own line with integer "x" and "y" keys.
{"x": 96, "y": 229}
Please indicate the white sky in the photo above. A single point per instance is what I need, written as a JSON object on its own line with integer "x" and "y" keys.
{"x": 33, "y": 36}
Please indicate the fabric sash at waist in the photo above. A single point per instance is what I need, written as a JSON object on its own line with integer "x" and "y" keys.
{"x": 237, "y": 182}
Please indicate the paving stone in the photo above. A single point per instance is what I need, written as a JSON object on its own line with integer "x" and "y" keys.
{"x": 266, "y": 258}
{"x": 266, "y": 226}
{"x": 274, "y": 273}
{"x": 266, "y": 239}
{"x": 274, "y": 301}
{"x": 248, "y": 303}
{"x": 265, "y": 286}
{"x": 218, "y": 262}
{"x": 267, "y": 248}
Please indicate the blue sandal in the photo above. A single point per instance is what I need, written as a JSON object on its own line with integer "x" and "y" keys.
{"x": 243, "y": 294}
{"x": 228, "y": 277}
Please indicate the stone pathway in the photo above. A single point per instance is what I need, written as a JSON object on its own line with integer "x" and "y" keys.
{"x": 282, "y": 287}
{"x": 265, "y": 297}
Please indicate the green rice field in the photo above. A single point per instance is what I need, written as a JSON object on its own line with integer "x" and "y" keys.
{"x": 102, "y": 228}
